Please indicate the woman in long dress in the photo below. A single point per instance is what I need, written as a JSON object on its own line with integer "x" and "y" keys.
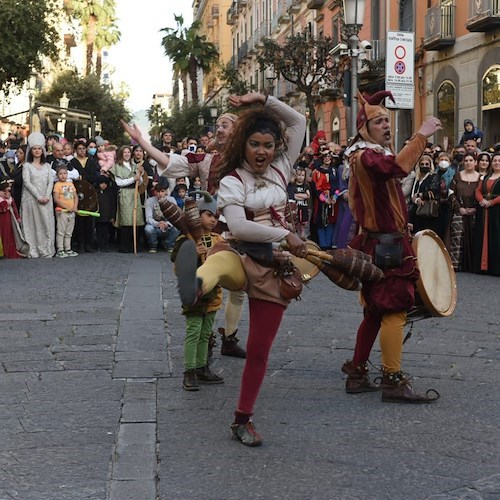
{"x": 37, "y": 209}
{"x": 127, "y": 174}
{"x": 464, "y": 207}
{"x": 487, "y": 230}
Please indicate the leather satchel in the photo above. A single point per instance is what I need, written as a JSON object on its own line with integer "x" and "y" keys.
{"x": 429, "y": 208}
{"x": 290, "y": 280}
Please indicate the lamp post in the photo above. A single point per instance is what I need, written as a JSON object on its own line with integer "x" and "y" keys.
{"x": 354, "y": 11}
{"x": 31, "y": 93}
{"x": 63, "y": 103}
{"x": 214, "y": 111}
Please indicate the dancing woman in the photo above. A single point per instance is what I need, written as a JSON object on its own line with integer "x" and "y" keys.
{"x": 253, "y": 199}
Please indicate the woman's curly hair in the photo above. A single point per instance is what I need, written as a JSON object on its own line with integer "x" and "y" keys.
{"x": 249, "y": 122}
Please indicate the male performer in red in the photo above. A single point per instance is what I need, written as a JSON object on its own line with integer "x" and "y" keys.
{"x": 378, "y": 205}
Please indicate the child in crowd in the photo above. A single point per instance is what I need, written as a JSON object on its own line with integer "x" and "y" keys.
{"x": 106, "y": 157}
{"x": 200, "y": 317}
{"x": 195, "y": 189}
{"x": 106, "y": 197}
{"x": 68, "y": 151}
{"x": 7, "y": 203}
{"x": 66, "y": 201}
{"x": 180, "y": 193}
{"x": 301, "y": 195}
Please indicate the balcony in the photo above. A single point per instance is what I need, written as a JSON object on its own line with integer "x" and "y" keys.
{"x": 296, "y": 5}
{"x": 483, "y": 16}
{"x": 315, "y": 4}
{"x": 242, "y": 51}
{"x": 241, "y": 4}
{"x": 281, "y": 13}
{"x": 439, "y": 27}
{"x": 231, "y": 15}
{"x": 215, "y": 11}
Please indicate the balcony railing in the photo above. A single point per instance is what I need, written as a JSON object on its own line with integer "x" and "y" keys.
{"x": 315, "y": 4}
{"x": 483, "y": 16}
{"x": 439, "y": 27}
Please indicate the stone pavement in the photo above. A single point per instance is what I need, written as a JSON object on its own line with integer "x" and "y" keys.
{"x": 91, "y": 403}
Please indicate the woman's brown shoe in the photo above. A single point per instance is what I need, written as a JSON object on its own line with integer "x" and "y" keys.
{"x": 246, "y": 434}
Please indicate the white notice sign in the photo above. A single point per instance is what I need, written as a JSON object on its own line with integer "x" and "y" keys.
{"x": 404, "y": 95}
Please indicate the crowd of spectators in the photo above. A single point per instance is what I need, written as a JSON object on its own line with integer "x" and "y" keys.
{"x": 464, "y": 182}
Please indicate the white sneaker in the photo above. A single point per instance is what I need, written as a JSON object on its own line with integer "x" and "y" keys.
{"x": 61, "y": 254}
{"x": 71, "y": 253}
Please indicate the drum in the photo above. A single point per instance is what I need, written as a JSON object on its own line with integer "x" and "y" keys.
{"x": 87, "y": 195}
{"x": 436, "y": 293}
{"x": 307, "y": 269}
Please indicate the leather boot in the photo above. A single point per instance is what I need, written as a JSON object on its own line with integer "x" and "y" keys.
{"x": 357, "y": 378}
{"x": 190, "y": 382}
{"x": 246, "y": 434}
{"x": 230, "y": 345}
{"x": 206, "y": 376}
{"x": 396, "y": 388}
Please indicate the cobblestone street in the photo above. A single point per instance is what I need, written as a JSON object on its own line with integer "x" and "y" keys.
{"x": 92, "y": 406}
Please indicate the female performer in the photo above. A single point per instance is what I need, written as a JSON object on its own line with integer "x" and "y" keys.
{"x": 487, "y": 235}
{"x": 464, "y": 206}
{"x": 253, "y": 199}
{"x": 37, "y": 209}
{"x": 127, "y": 175}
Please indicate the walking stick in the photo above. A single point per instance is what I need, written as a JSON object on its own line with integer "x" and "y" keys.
{"x": 134, "y": 215}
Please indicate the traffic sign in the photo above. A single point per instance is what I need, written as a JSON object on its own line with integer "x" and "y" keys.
{"x": 400, "y": 56}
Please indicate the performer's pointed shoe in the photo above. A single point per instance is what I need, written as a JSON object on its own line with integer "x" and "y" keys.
{"x": 230, "y": 345}
{"x": 396, "y": 388}
{"x": 357, "y": 378}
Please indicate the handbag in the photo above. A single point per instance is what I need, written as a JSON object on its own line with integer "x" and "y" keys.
{"x": 429, "y": 208}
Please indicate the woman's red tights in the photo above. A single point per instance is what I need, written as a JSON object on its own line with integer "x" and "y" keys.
{"x": 265, "y": 319}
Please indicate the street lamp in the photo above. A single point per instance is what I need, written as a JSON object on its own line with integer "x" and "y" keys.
{"x": 214, "y": 111}
{"x": 63, "y": 104}
{"x": 31, "y": 93}
{"x": 201, "y": 120}
{"x": 354, "y": 11}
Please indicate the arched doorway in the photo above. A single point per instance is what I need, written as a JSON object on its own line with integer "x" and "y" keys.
{"x": 446, "y": 97}
{"x": 490, "y": 106}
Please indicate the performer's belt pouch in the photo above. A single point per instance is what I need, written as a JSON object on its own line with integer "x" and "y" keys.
{"x": 261, "y": 252}
{"x": 290, "y": 280}
{"x": 388, "y": 252}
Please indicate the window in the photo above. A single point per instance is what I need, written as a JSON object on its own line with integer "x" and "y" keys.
{"x": 406, "y": 15}
{"x": 446, "y": 101}
{"x": 491, "y": 89}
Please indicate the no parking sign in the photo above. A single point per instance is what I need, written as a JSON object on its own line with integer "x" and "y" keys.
{"x": 399, "y": 68}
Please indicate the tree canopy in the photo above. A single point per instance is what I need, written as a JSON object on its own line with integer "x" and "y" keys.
{"x": 189, "y": 52}
{"x": 304, "y": 61}
{"x": 88, "y": 94}
{"x": 28, "y": 35}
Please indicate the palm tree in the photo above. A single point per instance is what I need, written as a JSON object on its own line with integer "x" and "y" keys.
{"x": 97, "y": 18}
{"x": 189, "y": 52}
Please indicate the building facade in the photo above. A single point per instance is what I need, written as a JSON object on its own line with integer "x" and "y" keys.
{"x": 457, "y": 57}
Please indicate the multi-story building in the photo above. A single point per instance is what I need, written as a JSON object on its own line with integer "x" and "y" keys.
{"x": 456, "y": 64}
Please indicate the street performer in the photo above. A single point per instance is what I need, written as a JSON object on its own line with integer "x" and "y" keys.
{"x": 378, "y": 205}
{"x": 205, "y": 166}
{"x": 256, "y": 168}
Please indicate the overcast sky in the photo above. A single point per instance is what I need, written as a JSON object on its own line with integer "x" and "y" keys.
{"x": 139, "y": 58}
